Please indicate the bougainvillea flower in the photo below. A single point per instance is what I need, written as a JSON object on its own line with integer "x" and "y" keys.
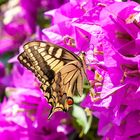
{"x": 120, "y": 26}
{"x": 117, "y": 91}
{"x": 52, "y": 4}
{"x": 2, "y": 70}
{"x": 2, "y": 80}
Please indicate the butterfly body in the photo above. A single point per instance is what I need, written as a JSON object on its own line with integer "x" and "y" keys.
{"x": 59, "y": 71}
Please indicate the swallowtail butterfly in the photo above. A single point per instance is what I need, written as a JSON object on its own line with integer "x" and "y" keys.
{"x": 60, "y": 72}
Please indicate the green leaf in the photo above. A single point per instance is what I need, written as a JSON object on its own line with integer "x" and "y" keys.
{"x": 4, "y": 59}
{"x": 3, "y": 1}
{"x": 78, "y": 99}
{"x": 82, "y": 120}
{"x": 89, "y": 122}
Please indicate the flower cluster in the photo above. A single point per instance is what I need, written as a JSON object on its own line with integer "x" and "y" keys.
{"x": 108, "y": 33}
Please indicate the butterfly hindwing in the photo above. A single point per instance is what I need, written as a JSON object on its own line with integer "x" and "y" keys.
{"x": 59, "y": 71}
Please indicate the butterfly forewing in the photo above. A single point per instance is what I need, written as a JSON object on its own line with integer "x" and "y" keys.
{"x": 25, "y": 61}
{"x": 59, "y": 71}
